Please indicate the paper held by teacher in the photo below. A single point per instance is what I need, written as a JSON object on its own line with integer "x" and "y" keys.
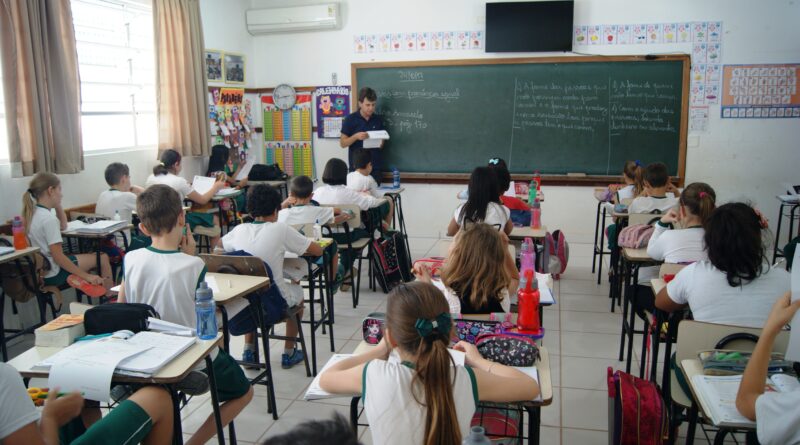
{"x": 375, "y": 139}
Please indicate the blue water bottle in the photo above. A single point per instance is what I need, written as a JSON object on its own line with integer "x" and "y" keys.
{"x": 205, "y": 308}
{"x": 395, "y": 178}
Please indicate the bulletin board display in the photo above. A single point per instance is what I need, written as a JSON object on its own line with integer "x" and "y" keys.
{"x": 230, "y": 119}
{"x": 287, "y": 135}
{"x": 760, "y": 91}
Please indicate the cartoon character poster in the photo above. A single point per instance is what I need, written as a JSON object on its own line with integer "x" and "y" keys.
{"x": 230, "y": 118}
{"x": 332, "y": 105}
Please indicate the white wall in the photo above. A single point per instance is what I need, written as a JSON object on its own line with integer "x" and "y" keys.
{"x": 741, "y": 159}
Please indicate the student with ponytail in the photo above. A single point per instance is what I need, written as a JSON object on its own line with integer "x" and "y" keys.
{"x": 44, "y": 220}
{"x": 166, "y": 172}
{"x": 423, "y": 398}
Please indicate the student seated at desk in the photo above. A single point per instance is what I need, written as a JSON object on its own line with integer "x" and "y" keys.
{"x": 165, "y": 275}
{"x": 146, "y": 416}
{"x": 776, "y": 413}
{"x": 736, "y": 285}
{"x": 361, "y": 181}
{"x": 656, "y": 188}
{"x": 632, "y": 173}
{"x": 483, "y": 204}
{"x": 269, "y": 240}
{"x": 222, "y": 163}
{"x": 504, "y": 185}
{"x": 335, "y": 191}
{"x": 423, "y": 398}
{"x": 479, "y": 272}
{"x": 44, "y": 227}
{"x": 166, "y": 172}
{"x": 119, "y": 199}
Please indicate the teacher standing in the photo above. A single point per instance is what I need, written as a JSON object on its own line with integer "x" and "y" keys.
{"x": 355, "y": 127}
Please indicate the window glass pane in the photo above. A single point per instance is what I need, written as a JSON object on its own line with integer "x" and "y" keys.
{"x": 101, "y": 132}
{"x": 146, "y": 129}
{"x": 3, "y": 133}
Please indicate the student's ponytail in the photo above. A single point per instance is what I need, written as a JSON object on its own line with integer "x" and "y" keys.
{"x": 700, "y": 200}
{"x": 634, "y": 171}
{"x": 167, "y": 163}
{"x": 40, "y": 183}
{"x": 418, "y": 320}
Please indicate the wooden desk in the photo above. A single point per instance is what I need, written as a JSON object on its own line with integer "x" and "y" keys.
{"x": 658, "y": 284}
{"x": 532, "y": 407}
{"x": 216, "y": 198}
{"x": 391, "y": 190}
{"x": 18, "y": 254}
{"x": 97, "y": 237}
{"x": 14, "y": 256}
{"x": 171, "y": 374}
{"x": 232, "y": 286}
{"x": 520, "y": 233}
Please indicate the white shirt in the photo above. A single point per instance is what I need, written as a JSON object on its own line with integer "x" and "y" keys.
{"x": 45, "y": 230}
{"x": 270, "y": 241}
{"x": 778, "y": 418}
{"x": 340, "y": 194}
{"x": 112, "y": 201}
{"x": 178, "y": 183}
{"x": 705, "y": 289}
{"x": 16, "y": 408}
{"x": 455, "y": 302}
{"x": 305, "y": 214}
{"x": 166, "y": 280}
{"x": 625, "y": 192}
{"x": 646, "y": 204}
{"x": 363, "y": 184}
{"x": 496, "y": 214}
{"x": 673, "y": 246}
{"x": 394, "y": 415}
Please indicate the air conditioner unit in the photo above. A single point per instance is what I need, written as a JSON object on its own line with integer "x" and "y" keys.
{"x": 293, "y": 19}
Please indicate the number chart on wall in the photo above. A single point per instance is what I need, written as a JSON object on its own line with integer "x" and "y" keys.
{"x": 287, "y": 135}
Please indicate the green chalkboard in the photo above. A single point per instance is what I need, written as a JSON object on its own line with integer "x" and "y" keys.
{"x": 556, "y": 115}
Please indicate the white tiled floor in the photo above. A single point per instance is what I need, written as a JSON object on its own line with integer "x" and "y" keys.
{"x": 582, "y": 337}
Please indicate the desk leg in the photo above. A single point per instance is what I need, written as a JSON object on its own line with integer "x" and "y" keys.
{"x": 624, "y": 310}
{"x": 596, "y": 231}
{"x": 2, "y": 325}
{"x": 630, "y": 296}
{"x": 177, "y": 430}
{"x": 719, "y": 438}
{"x": 534, "y": 420}
{"x": 778, "y": 234}
{"x": 659, "y": 323}
{"x": 354, "y": 413}
{"x": 226, "y": 338}
{"x": 271, "y": 403}
{"x": 313, "y": 324}
{"x": 692, "y": 424}
{"x": 602, "y": 239}
{"x": 214, "y": 400}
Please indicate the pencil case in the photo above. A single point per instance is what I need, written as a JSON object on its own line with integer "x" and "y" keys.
{"x": 372, "y": 327}
{"x": 115, "y": 317}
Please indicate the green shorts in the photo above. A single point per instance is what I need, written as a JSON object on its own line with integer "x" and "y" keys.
{"x": 200, "y": 219}
{"x": 128, "y": 423}
{"x": 61, "y": 277}
{"x": 230, "y": 379}
{"x": 382, "y": 209}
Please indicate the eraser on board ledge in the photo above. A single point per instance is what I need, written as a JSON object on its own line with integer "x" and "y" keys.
{"x": 576, "y": 174}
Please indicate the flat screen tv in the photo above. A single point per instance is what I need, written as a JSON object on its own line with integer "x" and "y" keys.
{"x": 529, "y": 26}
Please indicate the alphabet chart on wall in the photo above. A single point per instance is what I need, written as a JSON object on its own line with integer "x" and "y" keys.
{"x": 760, "y": 91}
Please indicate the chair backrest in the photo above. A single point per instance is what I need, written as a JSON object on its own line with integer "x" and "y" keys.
{"x": 669, "y": 268}
{"x": 626, "y": 201}
{"x": 642, "y": 218}
{"x": 355, "y": 220}
{"x": 83, "y": 210}
{"x": 243, "y": 265}
{"x": 306, "y": 229}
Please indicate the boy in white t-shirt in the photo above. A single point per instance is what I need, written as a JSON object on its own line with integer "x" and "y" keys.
{"x": 120, "y": 198}
{"x": 360, "y": 179}
{"x": 165, "y": 275}
{"x": 656, "y": 189}
{"x": 776, "y": 413}
{"x": 270, "y": 240}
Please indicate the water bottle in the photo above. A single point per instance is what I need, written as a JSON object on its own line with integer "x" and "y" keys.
{"x": 527, "y": 258}
{"x": 18, "y": 232}
{"x": 537, "y": 178}
{"x": 476, "y": 437}
{"x": 536, "y": 215}
{"x": 528, "y": 305}
{"x": 395, "y": 178}
{"x": 317, "y": 231}
{"x": 205, "y": 307}
{"x": 532, "y": 192}
{"x": 116, "y": 216}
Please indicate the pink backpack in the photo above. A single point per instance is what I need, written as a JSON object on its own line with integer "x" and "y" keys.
{"x": 635, "y": 236}
{"x": 559, "y": 253}
{"x": 637, "y": 412}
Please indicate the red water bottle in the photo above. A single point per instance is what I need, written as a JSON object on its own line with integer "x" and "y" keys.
{"x": 537, "y": 178}
{"x": 528, "y": 306}
{"x": 18, "y": 232}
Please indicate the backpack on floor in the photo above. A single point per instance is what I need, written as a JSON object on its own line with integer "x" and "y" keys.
{"x": 640, "y": 416}
{"x": 390, "y": 262}
{"x": 500, "y": 422}
{"x": 559, "y": 253}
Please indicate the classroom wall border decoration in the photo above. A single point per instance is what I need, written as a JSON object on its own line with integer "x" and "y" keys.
{"x": 760, "y": 91}
{"x": 576, "y": 119}
{"x": 331, "y": 106}
{"x": 418, "y": 41}
{"x": 287, "y": 135}
{"x": 230, "y": 119}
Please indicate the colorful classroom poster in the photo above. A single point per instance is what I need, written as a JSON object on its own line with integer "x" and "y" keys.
{"x": 580, "y": 35}
{"x": 230, "y": 118}
{"x": 610, "y": 34}
{"x": 698, "y": 119}
{"x": 760, "y": 91}
{"x": 287, "y": 135}
{"x": 331, "y": 105}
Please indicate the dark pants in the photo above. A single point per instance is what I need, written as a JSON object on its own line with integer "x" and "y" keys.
{"x": 377, "y": 161}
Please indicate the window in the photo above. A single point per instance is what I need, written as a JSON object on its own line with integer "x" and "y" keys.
{"x": 114, "y": 39}
{"x": 3, "y": 131}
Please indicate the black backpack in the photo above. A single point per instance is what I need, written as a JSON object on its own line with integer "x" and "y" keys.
{"x": 391, "y": 263}
{"x": 263, "y": 172}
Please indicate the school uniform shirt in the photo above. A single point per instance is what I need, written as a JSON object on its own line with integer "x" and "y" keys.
{"x": 395, "y": 416}
{"x": 305, "y": 214}
{"x": 778, "y": 418}
{"x": 16, "y": 408}
{"x": 45, "y": 230}
{"x": 673, "y": 246}
{"x": 625, "y": 192}
{"x": 178, "y": 183}
{"x": 270, "y": 241}
{"x": 166, "y": 280}
{"x": 462, "y": 305}
{"x": 340, "y": 194}
{"x": 112, "y": 201}
{"x": 705, "y": 289}
{"x": 361, "y": 183}
{"x": 496, "y": 214}
{"x": 647, "y": 204}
